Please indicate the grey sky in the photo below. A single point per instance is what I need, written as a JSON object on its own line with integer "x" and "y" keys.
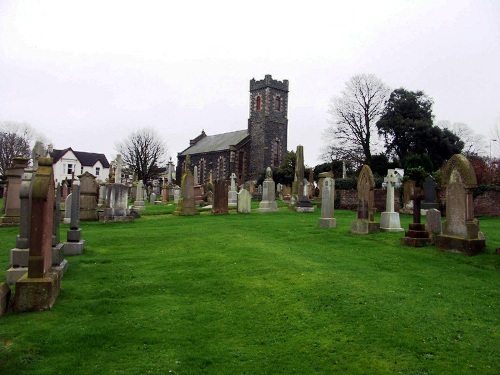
{"x": 87, "y": 73}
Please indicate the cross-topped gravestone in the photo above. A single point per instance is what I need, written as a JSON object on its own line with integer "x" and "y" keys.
{"x": 389, "y": 220}
{"x": 186, "y": 203}
{"x": 74, "y": 244}
{"x": 417, "y": 235}
{"x": 118, "y": 169}
{"x": 233, "y": 193}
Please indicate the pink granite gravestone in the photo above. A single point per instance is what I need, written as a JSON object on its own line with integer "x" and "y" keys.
{"x": 39, "y": 289}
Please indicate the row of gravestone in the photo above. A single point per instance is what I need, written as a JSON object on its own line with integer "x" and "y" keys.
{"x": 37, "y": 263}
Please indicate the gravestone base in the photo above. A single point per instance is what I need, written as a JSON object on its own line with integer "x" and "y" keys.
{"x": 66, "y": 220}
{"x": 74, "y": 248}
{"x": 364, "y": 227}
{"x": 37, "y": 294}
{"x": 416, "y": 236}
{"x": 186, "y": 207}
{"x": 139, "y": 206}
{"x": 304, "y": 205}
{"x": 74, "y": 235}
{"x": 327, "y": 222}
{"x": 10, "y": 220}
{"x": 389, "y": 222}
{"x": 428, "y": 206}
{"x": 465, "y": 246}
{"x": 58, "y": 261}
{"x": 88, "y": 215}
{"x": 13, "y": 274}
{"x": 106, "y": 219}
{"x": 268, "y": 206}
{"x": 5, "y": 294}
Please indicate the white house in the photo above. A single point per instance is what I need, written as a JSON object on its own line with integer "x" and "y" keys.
{"x": 66, "y": 162}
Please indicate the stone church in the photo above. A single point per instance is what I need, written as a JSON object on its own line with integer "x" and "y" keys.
{"x": 248, "y": 152}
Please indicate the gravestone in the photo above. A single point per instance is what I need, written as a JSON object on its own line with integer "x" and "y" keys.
{"x": 38, "y": 289}
{"x": 322, "y": 177}
{"x": 389, "y": 220}
{"x": 5, "y": 294}
{"x": 461, "y": 229}
{"x": 64, "y": 190}
{"x": 233, "y": 193}
{"x": 165, "y": 194}
{"x": 102, "y": 195}
{"x": 365, "y": 214}
{"x": 220, "y": 205}
{"x": 210, "y": 197}
{"x": 12, "y": 203}
{"x": 74, "y": 244}
{"x": 268, "y": 202}
{"x": 298, "y": 180}
{"x": 302, "y": 203}
{"x": 433, "y": 223}
{"x": 139, "y": 201}
{"x": 176, "y": 193}
{"x": 244, "y": 202}
{"x": 417, "y": 235}
{"x": 67, "y": 209}
{"x": 116, "y": 204}
{"x": 58, "y": 261}
{"x": 19, "y": 256}
{"x": 430, "y": 194}
{"x": 152, "y": 199}
{"x": 186, "y": 205}
{"x": 328, "y": 204}
{"x": 118, "y": 169}
{"x": 89, "y": 189}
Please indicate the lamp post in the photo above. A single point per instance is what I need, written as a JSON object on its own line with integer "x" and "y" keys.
{"x": 491, "y": 140}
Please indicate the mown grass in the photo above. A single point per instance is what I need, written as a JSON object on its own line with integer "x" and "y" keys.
{"x": 259, "y": 294}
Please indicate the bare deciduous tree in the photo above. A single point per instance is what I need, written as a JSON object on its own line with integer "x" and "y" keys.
{"x": 15, "y": 140}
{"x": 143, "y": 151}
{"x": 474, "y": 143}
{"x": 353, "y": 115}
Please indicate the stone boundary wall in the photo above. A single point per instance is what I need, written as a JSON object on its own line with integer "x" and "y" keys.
{"x": 487, "y": 204}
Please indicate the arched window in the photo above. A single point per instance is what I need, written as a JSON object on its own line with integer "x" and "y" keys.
{"x": 220, "y": 168}
{"x": 277, "y": 103}
{"x": 276, "y": 154}
{"x": 258, "y": 103}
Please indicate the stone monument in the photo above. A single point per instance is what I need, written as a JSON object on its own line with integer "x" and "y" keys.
{"x": 430, "y": 194}
{"x": 186, "y": 204}
{"x": 328, "y": 204}
{"x": 389, "y": 220}
{"x": 220, "y": 205}
{"x": 232, "y": 199}
{"x": 38, "y": 289}
{"x": 58, "y": 261}
{"x": 139, "y": 197}
{"x": 12, "y": 203}
{"x": 417, "y": 235}
{"x": 365, "y": 215}
{"x": 268, "y": 202}
{"x": 461, "y": 229}
{"x": 89, "y": 189}
{"x": 244, "y": 202}
{"x": 74, "y": 244}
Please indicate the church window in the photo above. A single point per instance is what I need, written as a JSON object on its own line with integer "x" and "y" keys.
{"x": 258, "y": 103}
{"x": 277, "y": 103}
{"x": 220, "y": 168}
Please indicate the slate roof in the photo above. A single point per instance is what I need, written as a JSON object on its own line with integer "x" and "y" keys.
{"x": 87, "y": 159}
{"x": 217, "y": 142}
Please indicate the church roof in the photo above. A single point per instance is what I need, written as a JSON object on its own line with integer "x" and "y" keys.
{"x": 217, "y": 142}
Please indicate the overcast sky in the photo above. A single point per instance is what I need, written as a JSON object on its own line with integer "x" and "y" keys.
{"x": 87, "y": 73}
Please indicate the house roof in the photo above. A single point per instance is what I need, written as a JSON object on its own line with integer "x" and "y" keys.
{"x": 87, "y": 159}
{"x": 217, "y": 142}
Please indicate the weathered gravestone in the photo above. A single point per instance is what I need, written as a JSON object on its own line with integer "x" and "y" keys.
{"x": 461, "y": 230}
{"x": 300, "y": 185}
{"x": 58, "y": 261}
{"x": 67, "y": 208}
{"x": 408, "y": 187}
{"x": 88, "y": 197}
{"x": 322, "y": 177}
{"x": 430, "y": 194}
{"x": 186, "y": 205}
{"x": 244, "y": 202}
{"x": 433, "y": 223}
{"x": 220, "y": 205}
{"x": 38, "y": 289}
{"x": 389, "y": 220}
{"x": 12, "y": 203}
{"x": 268, "y": 203}
{"x": 364, "y": 222}
{"x": 74, "y": 244}
{"x": 417, "y": 235}
{"x": 152, "y": 199}
{"x": 19, "y": 256}
{"x": 139, "y": 197}
{"x": 232, "y": 199}
{"x": 328, "y": 203}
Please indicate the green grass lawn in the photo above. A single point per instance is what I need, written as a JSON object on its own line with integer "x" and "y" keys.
{"x": 259, "y": 294}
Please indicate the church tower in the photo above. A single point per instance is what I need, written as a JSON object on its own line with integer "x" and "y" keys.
{"x": 268, "y": 124}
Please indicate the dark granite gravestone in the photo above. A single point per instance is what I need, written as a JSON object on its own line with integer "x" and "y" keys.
{"x": 430, "y": 194}
{"x": 417, "y": 235}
